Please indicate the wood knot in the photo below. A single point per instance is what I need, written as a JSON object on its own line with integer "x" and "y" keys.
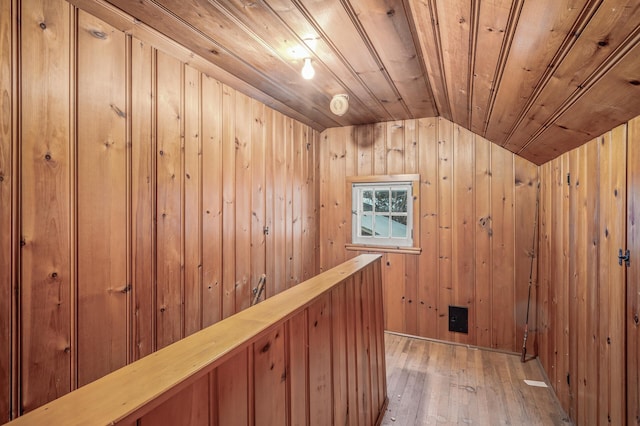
{"x": 98, "y": 34}
{"x": 391, "y": 13}
{"x": 635, "y": 82}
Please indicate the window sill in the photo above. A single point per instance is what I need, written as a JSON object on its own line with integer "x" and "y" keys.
{"x": 383, "y": 249}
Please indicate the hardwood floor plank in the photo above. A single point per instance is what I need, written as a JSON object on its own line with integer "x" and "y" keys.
{"x": 433, "y": 383}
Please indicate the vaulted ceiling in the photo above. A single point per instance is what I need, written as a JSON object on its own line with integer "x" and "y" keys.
{"x": 538, "y": 77}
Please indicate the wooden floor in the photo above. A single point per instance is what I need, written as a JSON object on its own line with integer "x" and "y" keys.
{"x": 431, "y": 383}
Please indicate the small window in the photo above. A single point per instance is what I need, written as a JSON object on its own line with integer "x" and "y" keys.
{"x": 382, "y": 213}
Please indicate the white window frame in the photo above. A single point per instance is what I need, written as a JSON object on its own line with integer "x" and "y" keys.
{"x": 408, "y": 244}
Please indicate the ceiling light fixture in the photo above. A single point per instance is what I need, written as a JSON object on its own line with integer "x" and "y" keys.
{"x": 307, "y": 69}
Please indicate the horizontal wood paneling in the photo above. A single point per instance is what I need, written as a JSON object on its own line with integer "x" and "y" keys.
{"x": 264, "y": 365}
{"x": 584, "y": 322}
{"x": 476, "y": 221}
{"x": 143, "y": 198}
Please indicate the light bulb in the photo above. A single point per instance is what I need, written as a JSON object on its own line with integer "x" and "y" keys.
{"x": 307, "y": 69}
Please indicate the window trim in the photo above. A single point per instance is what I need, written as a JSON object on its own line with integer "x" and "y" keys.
{"x": 414, "y": 179}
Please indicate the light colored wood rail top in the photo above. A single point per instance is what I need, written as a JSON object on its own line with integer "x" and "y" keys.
{"x": 121, "y": 395}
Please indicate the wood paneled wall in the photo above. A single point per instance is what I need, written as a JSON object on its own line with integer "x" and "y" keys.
{"x": 7, "y": 198}
{"x": 313, "y": 355}
{"x": 589, "y": 211}
{"x": 135, "y": 193}
{"x": 477, "y": 208}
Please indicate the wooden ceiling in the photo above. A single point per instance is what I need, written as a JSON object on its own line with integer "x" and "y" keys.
{"x": 538, "y": 77}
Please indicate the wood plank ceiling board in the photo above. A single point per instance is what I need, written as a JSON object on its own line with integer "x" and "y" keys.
{"x": 508, "y": 70}
{"x": 342, "y": 28}
{"x": 612, "y": 98}
{"x": 541, "y": 28}
{"x": 601, "y": 41}
{"x": 398, "y": 53}
{"x": 293, "y": 39}
{"x": 457, "y": 22}
{"x": 425, "y": 23}
{"x": 493, "y": 22}
{"x": 300, "y": 21}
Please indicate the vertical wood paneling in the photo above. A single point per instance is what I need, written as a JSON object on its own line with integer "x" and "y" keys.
{"x": 233, "y": 395}
{"x": 258, "y": 200}
{"x": 526, "y": 233}
{"x": 299, "y": 142}
{"x": 394, "y": 279}
{"x": 332, "y": 197}
{"x": 612, "y": 276}
{"x": 379, "y": 149}
{"x": 544, "y": 248}
{"x": 228, "y": 201}
{"x": 7, "y": 173}
{"x": 102, "y": 289}
{"x": 464, "y": 207}
{"x": 605, "y": 270}
{"x": 270, "y": 384}
{"x": 192, "y": 203}
{"x": 592, "y": 283}
{"x": 555, "y": 271}
{"x": 169, "y": 291}
{"x": 309, "y": 206}
{"x": 288, "y": 155}
{"x": 211, "y": 201}
{"x": 278, "y": 204}
{"x": 582, "y": 287}
{"x": 633, "y": 272}
{"x": 143, "y": 158}
{"x": 339, "y": 355}
{"x": 242, "y": 147}
{"x": 502, "y": 246}
{"x": 45, "y": 181}
{"x": 319, "y": 367}
{"x": 156, "y": 210}
{"x": 353, "y": 402}
{"x": 297, "y": 367}
{"x": 411, "y": 155}
{"x": 463, "y": 229}
{"x": 191, "y": 407}
{"x": 364, "y": 142}
{"x": 364, "y": 354}
{"x": 572, "y": 370}
{"x": 562, "y": 285}
{"x": 445, "y": 225}
{"x": 427, "y": 286}
{"x": 483, "y": 253}
{"x": 379, "y": 326}
{"x": 275, "y": 364}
